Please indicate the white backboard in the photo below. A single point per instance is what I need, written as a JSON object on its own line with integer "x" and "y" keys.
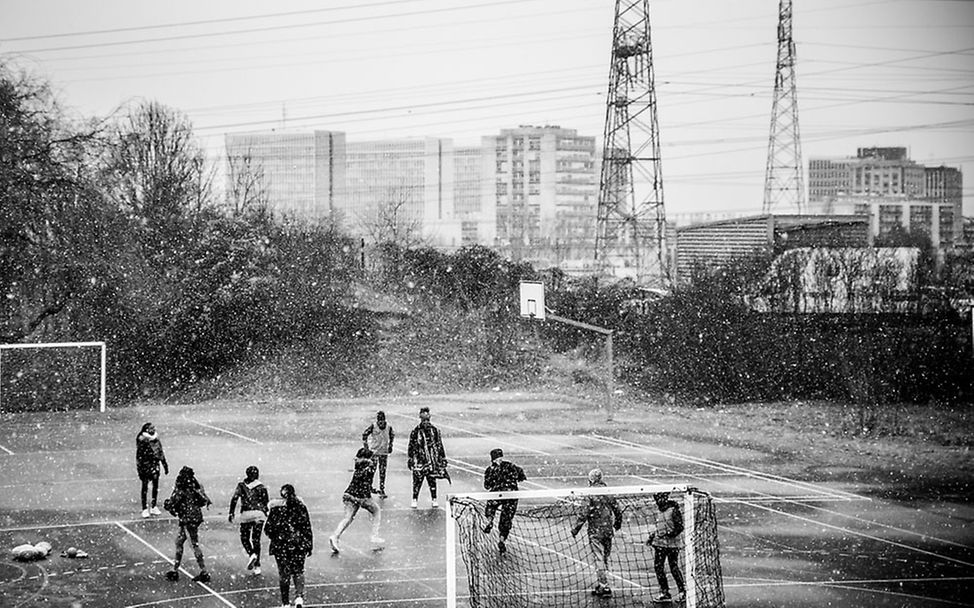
{"x": 532, "y": 299}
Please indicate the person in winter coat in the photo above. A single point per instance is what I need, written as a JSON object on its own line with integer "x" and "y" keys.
{"x": 253, "y": 512}
{"x": 666, "y": 542}
{"x": 426, "y": 457}
{"x": 603, "y": 516}
{"x": 148, "y": 456}
{"x": 186, "y": 504}
{"x": 501, "y": 476}
{"x": 378, "y": 439}
{"x": 358, "y": 495}
{"x": 289, "y": 529}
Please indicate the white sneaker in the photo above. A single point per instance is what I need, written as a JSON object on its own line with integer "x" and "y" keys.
{"x": 155, "y": 511}
{"x": 414, "y": 504}
{"x": 435, "y": 504}
{"x": 298, "y": 602}
{"x": 375, "y": 540}
{"x": 145, "y": 513}
{"x": 256, "y": 570}
{"x": 252, "y": 561}
{"x": 334, "y": 544}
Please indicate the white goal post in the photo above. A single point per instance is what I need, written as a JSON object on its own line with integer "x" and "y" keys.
{"x": 101, "y": 345}
{"x": 543, "y": 550}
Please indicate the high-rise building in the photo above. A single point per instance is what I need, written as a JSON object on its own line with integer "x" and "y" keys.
{"x": 893, "y": 190}
{"x": 403, "y": 190}
{"x": 302, "y": 174}
{"x": 544, "y": 183}
{"x": 477, "y": 213}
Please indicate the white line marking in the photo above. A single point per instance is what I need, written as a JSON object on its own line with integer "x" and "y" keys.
{"x": 183, "y": 570}
{"x": 228, "y": 432}
{"x": 6, "y": 450}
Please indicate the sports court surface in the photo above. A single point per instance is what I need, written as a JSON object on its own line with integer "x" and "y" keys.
{"x": 70, "y": 479}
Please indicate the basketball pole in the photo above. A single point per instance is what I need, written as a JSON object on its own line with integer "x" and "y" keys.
{"x": 610, "y": 379}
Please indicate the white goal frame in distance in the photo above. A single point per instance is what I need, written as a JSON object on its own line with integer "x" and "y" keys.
{"x": 103, "y": 374}
{"x": 451, "y": 526}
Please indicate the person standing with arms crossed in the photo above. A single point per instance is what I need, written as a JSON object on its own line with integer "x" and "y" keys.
{"x": 426, "y": 457}
{"x": 253, "y": 512}
{"x": 148, "y": 456}
{"x": 378, "y": 439}
{"x": 501, "y": 476}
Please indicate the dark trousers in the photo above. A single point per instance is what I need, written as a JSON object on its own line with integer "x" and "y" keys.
{"x": 671, "y": 555}
{"x": 145, "y": 487}
{"x": 290, "y": 565}
{"x": 507, "y": 508}
{"x": 250, "y": 538}
{"x": 418, "y": 477}
{"x": 193, "y": 532}
{"x": 381, "y": 464}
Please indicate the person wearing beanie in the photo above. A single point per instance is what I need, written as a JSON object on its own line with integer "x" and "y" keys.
{"x": 426, "y": 457}
{"x": 358, "y": 495}
{"x": 501, "y": 476}
{"x": 148, "y": 456}
{"x": 378, "y": 438}
{"x": 292, "y": 541}
{"x": 602, "y": 514}
{"x": 253, "y": 512}
{"x": 186, "y": 504}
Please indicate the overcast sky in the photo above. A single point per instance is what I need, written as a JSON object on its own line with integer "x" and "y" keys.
{"x": 869, "y": 73}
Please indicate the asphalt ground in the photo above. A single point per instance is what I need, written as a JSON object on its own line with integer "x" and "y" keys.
{"x": 69, "y": 479}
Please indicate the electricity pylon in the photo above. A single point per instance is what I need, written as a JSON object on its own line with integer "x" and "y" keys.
{"x": 784, "y": 185}
{"x": 630, "y": 236}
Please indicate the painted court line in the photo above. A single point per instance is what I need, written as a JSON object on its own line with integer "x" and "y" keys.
{"x": 228, "y": 432}
{"x": 181, "y": 569}
{"x": 6, "y": 450}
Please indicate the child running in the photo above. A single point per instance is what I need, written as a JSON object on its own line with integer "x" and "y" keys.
{"x": 186, "y": 503}
{"x": 253, "y": 512}
{"x": 358, "y": 495}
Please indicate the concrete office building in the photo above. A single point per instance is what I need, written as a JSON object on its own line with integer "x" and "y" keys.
{"x": 477, "y": 214}
{"x": 406, "y": 184}
{"x": 544, "y": 184}
{"x": 302, "y": 173}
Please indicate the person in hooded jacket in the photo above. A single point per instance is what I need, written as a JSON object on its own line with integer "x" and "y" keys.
{"x": 289, "y": 529}
{"x": 501, "y": 476}
{"x": 604, "y": 518}
{"x": 148, "y": 456}
{"x": 253, "y": 512}
{"x": 186, "y": 504}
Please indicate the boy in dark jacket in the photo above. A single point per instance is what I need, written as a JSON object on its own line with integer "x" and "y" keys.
{"x": 148, "y": 456}
{"x": 253, "y": 512}
{"x": 358, "y": 495}
{"x": 603, "y": 516}
{"x": 289, "y": 528}
{"x": 186, "y": 503}
{"x": 501, "y": 476}
{"x": 426, "y": 457}
{"x": 666, "y": 542}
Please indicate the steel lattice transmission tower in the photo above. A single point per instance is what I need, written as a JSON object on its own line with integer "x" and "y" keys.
{"x": 631, "y": 231}
{"x": 784, "y": 185}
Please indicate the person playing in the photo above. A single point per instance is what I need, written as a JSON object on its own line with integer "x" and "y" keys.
{"x": 148, "y": 456}
{"x": 289, "y": 529}
{"x": 426, "y": 457}
{"x": 666, "y": 542}
{"x": 501, "y": 476}
{"x": 253, "y": 512}
{"x": 358, "y": 495}
{"x": 603, "y": 516}
{"x": 378, "y": 438}
{"x": 186, "y": 504}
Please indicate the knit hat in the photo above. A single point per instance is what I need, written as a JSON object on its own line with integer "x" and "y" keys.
{"x": 496, "y": 453}
{"x": 595, "y": 476}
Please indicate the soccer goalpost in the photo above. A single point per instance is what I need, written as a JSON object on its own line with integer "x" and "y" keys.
{"x": 545, "y": 565}
{"x": 99, "y": 345}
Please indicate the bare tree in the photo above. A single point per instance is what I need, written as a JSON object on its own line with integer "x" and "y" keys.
{"x": 246, "y": 184}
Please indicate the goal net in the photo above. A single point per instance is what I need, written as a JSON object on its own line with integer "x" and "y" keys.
{"x": 544, "y": 564}
{"x": 52, "y": 376}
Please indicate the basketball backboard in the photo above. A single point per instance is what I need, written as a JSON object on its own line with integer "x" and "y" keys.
{"x": 532, "y": 299}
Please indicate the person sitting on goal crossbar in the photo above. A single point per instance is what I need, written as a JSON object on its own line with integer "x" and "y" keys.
{"x": 501, "y": 476}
